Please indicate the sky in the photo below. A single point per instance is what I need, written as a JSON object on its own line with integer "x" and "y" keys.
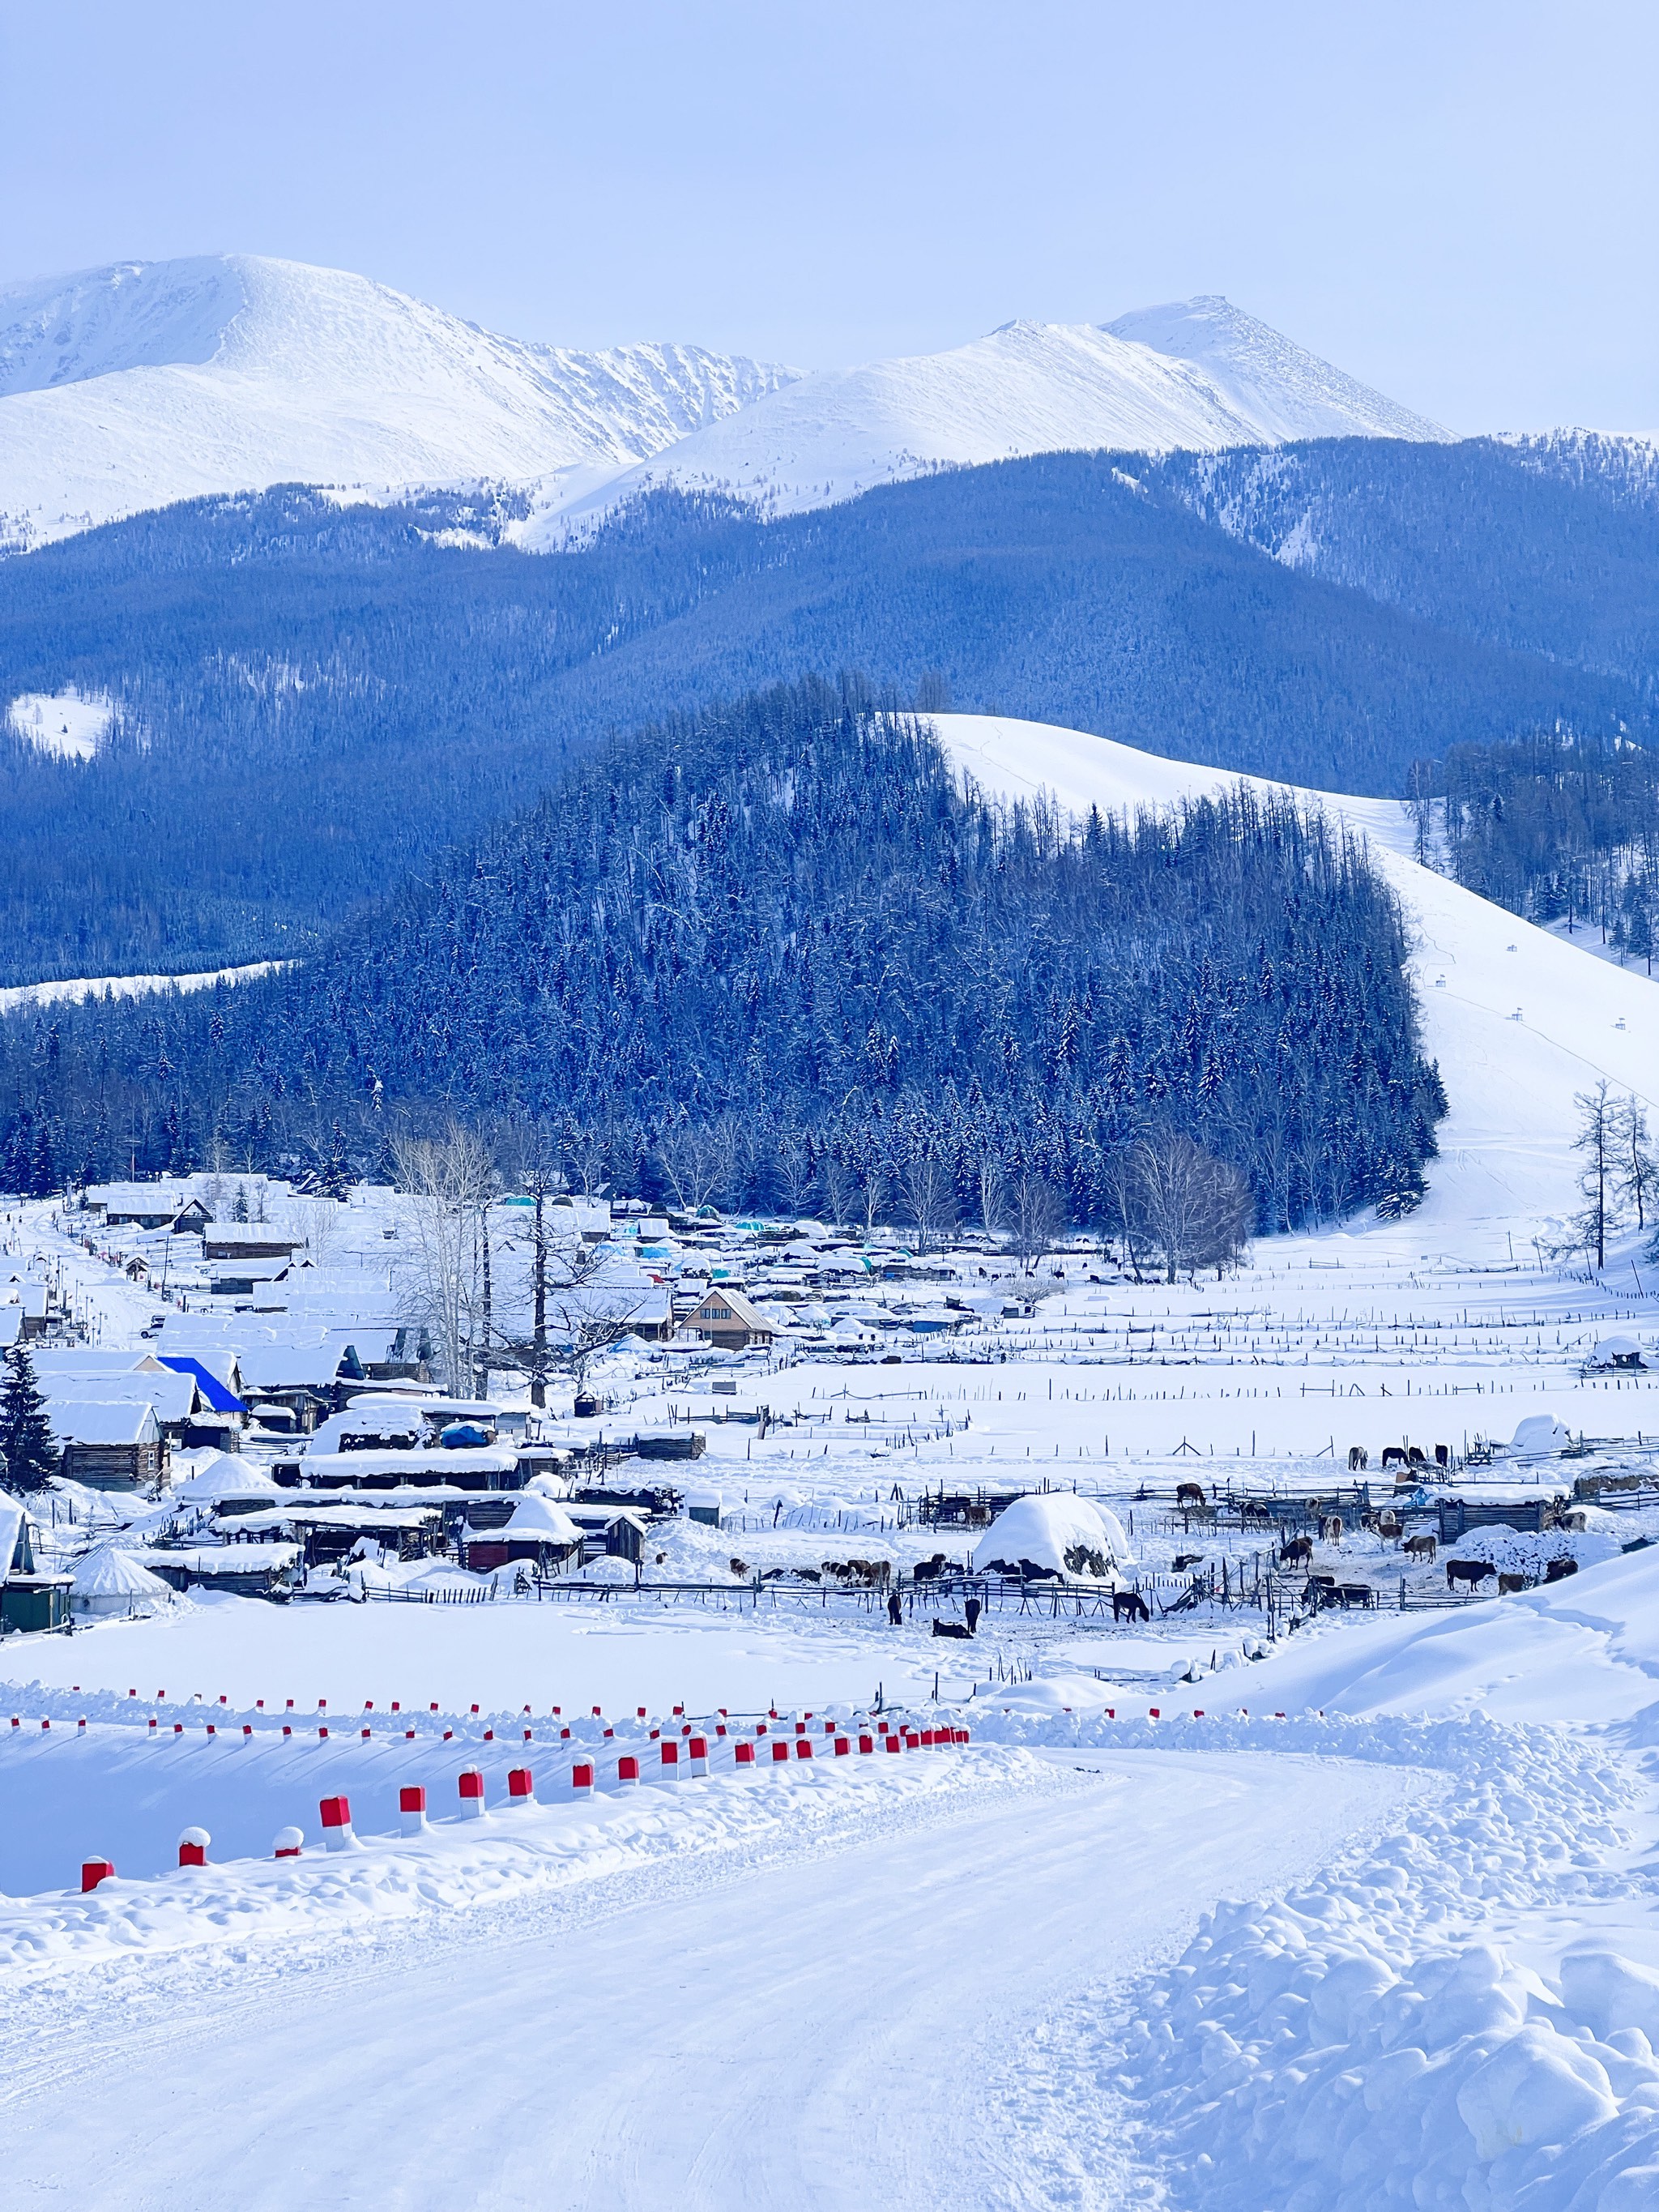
{"x": 1455, "y": 203}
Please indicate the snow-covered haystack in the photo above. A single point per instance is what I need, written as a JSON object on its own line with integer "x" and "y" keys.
{"x": 227, "y": 1475}
{"x": 111, "y": 1581}
{"x": 1524, "y": 1552}
{"x": 1541, "y": 1433}
{"x": 537, "y": 1518}
{"x": 1056, "y": 1530}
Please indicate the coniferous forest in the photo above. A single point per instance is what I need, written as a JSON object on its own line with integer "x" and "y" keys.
{"x": 774, "y": 954}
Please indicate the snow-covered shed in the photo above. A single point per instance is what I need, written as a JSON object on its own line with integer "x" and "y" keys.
{"x": 538, "y": 1530}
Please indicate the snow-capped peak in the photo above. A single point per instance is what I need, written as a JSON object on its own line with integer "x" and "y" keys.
{"x": 1198, "y": 374}
{"x": 145, "y": 382}
{"x": 1283, "y": 390}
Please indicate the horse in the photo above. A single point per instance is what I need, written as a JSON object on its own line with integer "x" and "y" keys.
{"x": 1508, "y": 1585}
{"x": 1559, "y": 1570}
{"x": 1394, "y": 1455}
{"x": 1359, "y": 1458}
{"x": 1442, "y": 1454}
{"x": 1472, "y": 1572}
{"x": 1130, "y": 1603}
{"x": 1189, "y": 1497}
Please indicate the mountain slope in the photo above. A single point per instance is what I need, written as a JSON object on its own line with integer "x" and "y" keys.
{"x": 139, "y": 385}
{"x": 1518, "y": 1021}
{"x": 1202, "y": 375}
{"x": 341, "y": 690}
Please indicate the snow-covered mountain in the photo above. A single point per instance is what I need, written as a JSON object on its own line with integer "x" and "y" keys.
{"x": 130, "y": 386}
{"x": 1199, "y": 374}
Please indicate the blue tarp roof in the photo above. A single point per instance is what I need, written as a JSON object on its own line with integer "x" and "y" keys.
{"x": 221, "y": 1399}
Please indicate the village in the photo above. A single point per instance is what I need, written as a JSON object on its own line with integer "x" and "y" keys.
{"x": 939, "y": 1445}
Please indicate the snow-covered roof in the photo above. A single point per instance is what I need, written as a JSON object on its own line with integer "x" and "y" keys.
{"x": 99, "y": 1422}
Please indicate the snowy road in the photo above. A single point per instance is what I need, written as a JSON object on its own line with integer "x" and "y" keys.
{"x": 816, "y": 2032}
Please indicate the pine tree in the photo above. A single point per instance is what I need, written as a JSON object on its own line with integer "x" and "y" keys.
{"x": 26, "y": 1438}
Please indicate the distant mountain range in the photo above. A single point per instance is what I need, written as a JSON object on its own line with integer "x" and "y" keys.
{"x": 149, "y": 382}
{"x": 134, "y": 386}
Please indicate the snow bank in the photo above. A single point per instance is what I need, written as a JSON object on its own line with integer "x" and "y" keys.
{"x": 461, "y": 1863}
{"x": 1349, "y": 2046}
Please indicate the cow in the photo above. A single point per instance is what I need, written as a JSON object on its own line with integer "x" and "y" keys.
{"x": 874, "y": 1574}
{"x": 1559, "y": 1570}
{"x": 1330, "y": 1527}
{"x": 1472, "y": 1572}
{"x": 1359, "y": 1594}
{"x": 949, "y": 1628}
{"x": 1388, "y": 1525}
{"x": 928, "y": 1570}
{"x": 1296, "y": 1552}
{"x": 1183, "y": 1560}
{"x": 1189, "y": 1497}
{"x": 1419, "y": 1547}
{"x": 1508, "y": 1585}
{"x": 1359, "y": 1458}
{"x": 1129, "y": 1604}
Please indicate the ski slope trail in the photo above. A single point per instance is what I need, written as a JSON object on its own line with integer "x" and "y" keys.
{"x": 815, "y": 2032}
{"x": 1519, "y": 1020}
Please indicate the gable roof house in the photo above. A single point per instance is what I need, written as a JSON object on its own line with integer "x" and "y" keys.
{"x": 107, "y": 1447}
{"x": 729, "y": 1321}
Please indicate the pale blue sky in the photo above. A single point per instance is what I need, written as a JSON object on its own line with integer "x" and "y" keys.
{"x": 1455, "y": 202}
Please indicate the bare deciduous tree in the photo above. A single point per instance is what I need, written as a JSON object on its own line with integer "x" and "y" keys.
{"x": 1189, "y": 1209}
{"x": 449, "y": 1181}
{"x": 1036, "y": 1215}
{"x": 928, "y": 1189}
{"x": 1598, "y": 1178}
{"x": 695, "y": 1158}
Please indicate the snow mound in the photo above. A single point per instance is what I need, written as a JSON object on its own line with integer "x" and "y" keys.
{"x": 133, "y": 385}
{"x": 1054, "y": 1529}
{"x": 1539, "y": 1432}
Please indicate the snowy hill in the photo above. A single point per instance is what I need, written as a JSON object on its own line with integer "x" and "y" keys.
{"x": 135, "y": 386}
{"x": 1518, "y": 1020}
{"x": 1199, "y": 374}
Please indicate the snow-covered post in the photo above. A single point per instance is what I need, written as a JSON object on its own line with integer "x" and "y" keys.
{"x": 335, "y": 1813}
{"x": 93, "y": 1871}
{"x": 627, "y": 1768}
{"x": 581, "y": 1780}
{"x": 411, "y": 1808}
{"x": 671, "y": 1760}
{"x": 520, "y": 1787}
{"x": 193, "y": 1846}
{"x": 288, "y": 1844}
{"x": 743, "y": 1753}
{"x": 473, "y": 1794}
{"x": 697, "y": 1752}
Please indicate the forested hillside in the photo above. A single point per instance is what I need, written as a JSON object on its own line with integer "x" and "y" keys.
{"x": 1553, "y": 830}
{"x": 776, "y": 952}
{"x": 1547, "y": 545}
{"x": 313, "y": 703}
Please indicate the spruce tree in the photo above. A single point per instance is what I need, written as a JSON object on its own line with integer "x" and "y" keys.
{"x": 26, "y": 1438}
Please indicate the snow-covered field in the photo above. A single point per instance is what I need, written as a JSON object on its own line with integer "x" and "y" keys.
{"x": 1205, "y": 1915}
